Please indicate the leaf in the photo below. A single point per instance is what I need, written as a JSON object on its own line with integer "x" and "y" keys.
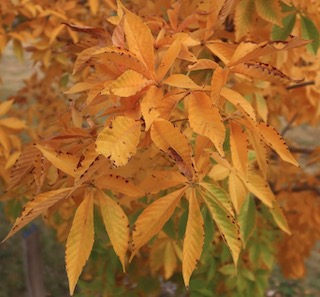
{"x": 117, "y": 183}
{"x": 247, "y": 219}
{"x": 80, "y": 240}
{"x": 36, "y": 207}
{"x": 23, "y": 166}
{"x": 202, "y": 64}
{"x": 94, "y": 6}
{"x": 116, "y": 224}
{"x": 238, "y": 147}
{"x": 238, "y": 100}
{"x": 228, "y": 227}
{"x": 5, "y": 106}
{"x": 244, "y": 17}
{"x": 259, "y": 187}
{"x": 311, "y": 32}
{"x": 237, "y": 191}
{"x": 269, "y": 10}
{"x": 218, "y": 81}
{"x": 169, "y": 260}
{"x": 158, "y": 180}
{"x": 205, "y": 119}
{"x": 127, "y": 84}
{"x": 194, "y": 238}
{"x": 149, "y": 103}
{"x": 119, "y": 140}
{"x": 170, "y": 140}
{"x": 181, "y": 81}
{"x": 280, "y": 218}
{"x": 153, "y": 218}
{"x": 65, "y": 162}
{"x": 283, "y": 33}
{"x": 264, "y": 71}
{"x": 276, "y": 142}
{"x": 140, "y": 39}
{"x": 220, "y": 196}
{"x": 170, "y": 56}
{"x": 12, "y": 123}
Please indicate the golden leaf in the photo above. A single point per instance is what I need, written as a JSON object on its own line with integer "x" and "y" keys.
{"x": 244, "y": 17}
{"x": 169, "y": 260}
{"x": 181, "y": 81}
{"x": 139, "y": 39}
{"x": 194, "y": 238}
{"x": 64, "y": 161}
{"x": 12, "y": 123}
{"x": 238, "y": 147}
{"x": 36, "y": 207}
{"x": 116, "y": 224}
{"x": 169, "y": 139}
{"x": 276, "y": 142}
{"x": 237, "y": 191}
{"x": 270, "y": 11}
{"x": 218, "y": 81}
{"x": 5, "y": 106}
{"x": 127, "y": 84}
{"x": 119, "y": 140}
{"x": 238, "y": 100}
{"x": 153, "y": 218}
{"x": 279, "y": 218}
{"x": 80, "y": 240}
{"x": 205, "y": 119}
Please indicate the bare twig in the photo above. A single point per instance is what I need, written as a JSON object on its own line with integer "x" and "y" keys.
{"x": 306, "y": 83}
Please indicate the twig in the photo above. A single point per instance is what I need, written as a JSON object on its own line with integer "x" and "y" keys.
{"x": 306, "y": 83}
{"x": 288, "y": 126}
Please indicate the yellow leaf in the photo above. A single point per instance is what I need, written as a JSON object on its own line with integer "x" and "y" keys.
{"x": 228, "y": 227}
{"x": 238, "y": 100}
{"x": 116, "y": 224}
{"x": 205, "y": 119}
{"x": 194, "y": 238}
{"x": 181, "y": 81}
{"x": 117, "y": 183}
{"x": 237, "y": 191}
{"x": 149, "y": 103}
{"x": 80, "y": 240}
{"x": 79, "y": 87}
{"x": 127, "y": 84}
{"x": 36, "y": 207}
{"x": 276, "y": 142}
{"x": 170, "y": 56}
{"x": 221, "y": 49}
{"x": 270, "y": 11}
{"x": 280, "y": 218}
{"x": 169, "y": 139}
{"x": 5, "y": 106}
{"x": 244, "y": 17}
{"x": 64, "y": 161}
{"x": 169, "y": 260}
{"x": 153, "y": 218}
{"x": 12, "y": 123}
{"x": 55, "y": 32}
{"x": 202, "y": 64}
{"x": 263, "y": 71}
{"x": 156, "y": 181}
{"x": 259, "y": 187}
{"x": 119, "y": 140}
{"x": 140, "y": 39}
{"x": 238, "y": 147}
{"x": 94, "y": 6}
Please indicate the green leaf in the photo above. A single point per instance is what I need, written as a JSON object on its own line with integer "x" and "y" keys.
{"x": 310, "y": 31}
{"x": 228, "y": 270}
{"x": 247, "y": 219}
{"x": 288, "y": 22}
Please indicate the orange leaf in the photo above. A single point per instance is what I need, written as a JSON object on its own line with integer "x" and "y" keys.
{"x": 276, "y": 142}
{"x": 205, "y": 119}
{"x": 139, "y": 39}
{"x": 5, "y": 106}
{"x": 80, "y": 240}
{"x": 181, "y": 81}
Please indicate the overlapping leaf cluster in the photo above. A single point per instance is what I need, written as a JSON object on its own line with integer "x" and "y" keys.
{"x": 168, "y": 123}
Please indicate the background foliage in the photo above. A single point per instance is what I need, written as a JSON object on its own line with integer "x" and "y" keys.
{"x": 153, "y": 119}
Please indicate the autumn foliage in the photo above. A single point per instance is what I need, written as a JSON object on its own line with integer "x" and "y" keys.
{"x": 160, "y": 121}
